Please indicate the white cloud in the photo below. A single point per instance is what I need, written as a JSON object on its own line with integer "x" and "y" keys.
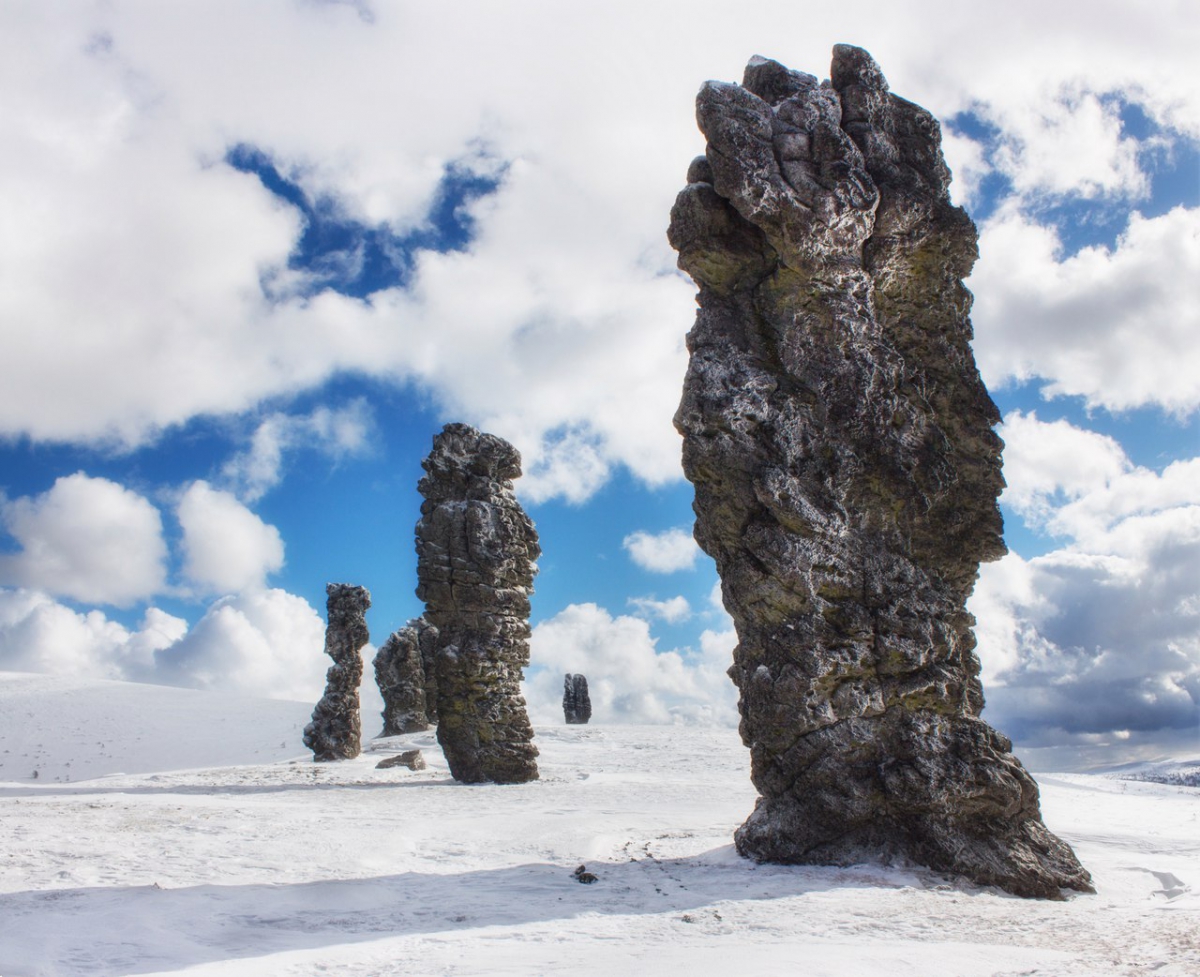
{"x": 133, "y": 257}
{"x": 571, "y": 466}
{"x": 337, "y": 432}
{"x": 267, "y": 643}
{"x": 1072, "y": 143}
{"x": 1103, "y": 635}
{"x": 226, "y": 547}
{"x": 1116, "y": 327}
{"x": 967, "y": 163}
{"x": 38, "y": 634}
{"x": 673, "y": 610}
{"x": 1045, "y": 462}
{"x": 629, "y": 680}
{"x": 88, "y": 539}
{"x": 665, "y": 552}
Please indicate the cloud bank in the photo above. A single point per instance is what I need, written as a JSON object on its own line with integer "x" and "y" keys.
{"x": 1096, "y": 643}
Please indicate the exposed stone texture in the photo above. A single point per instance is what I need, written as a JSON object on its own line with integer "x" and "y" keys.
{"x": 840, "y": 442}
{"x": 400, "y": 674}
{"x": 409, "y": 758}
{"x": 335, "y": 732}
{"x": 577, "y": 704}
{"x": 476, "y": 549}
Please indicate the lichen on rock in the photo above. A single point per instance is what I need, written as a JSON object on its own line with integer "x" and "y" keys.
{"x": 335, "y": 732}
{"x": 476, "y": 549}
{"x": 846, "y": 471}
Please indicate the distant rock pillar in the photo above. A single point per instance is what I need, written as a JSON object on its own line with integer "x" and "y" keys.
{"x": 335, "y": 732}
{"x": 840, "y": 442}
{"x": 400, "y": 674}
{"x": 577, "y": 704}
{"x": 476, "y": 549}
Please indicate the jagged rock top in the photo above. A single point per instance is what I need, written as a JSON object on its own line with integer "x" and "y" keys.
{"x": 468, "y": 464}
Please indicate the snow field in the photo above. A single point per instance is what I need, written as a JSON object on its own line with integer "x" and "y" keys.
{"x": 281, "y": 866}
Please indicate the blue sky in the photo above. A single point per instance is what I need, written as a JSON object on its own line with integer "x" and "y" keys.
{"x": 237, "y": 304}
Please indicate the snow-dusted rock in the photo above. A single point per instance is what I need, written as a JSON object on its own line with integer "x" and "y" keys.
{"x": 476, "y": 549}
{"x": 402, "y": 677}
{"x": 846, "y": 472}
{"x": 335, "y": 732}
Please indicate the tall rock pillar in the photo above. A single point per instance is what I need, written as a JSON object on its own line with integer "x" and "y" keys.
{"x": 840, "y": 442}
{"x": 476, "y": 549}
{"x": 335, "y": 732}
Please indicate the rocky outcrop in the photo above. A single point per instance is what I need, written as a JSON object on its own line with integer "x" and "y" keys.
{"x": 401, "y": 673}
{"x": 840, "y": 442}
{"x": 577, "y": 704}
{"x": 335, "y": 732}
{"x": 476, "y": 549}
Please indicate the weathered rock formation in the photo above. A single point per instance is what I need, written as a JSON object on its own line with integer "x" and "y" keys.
{"x": 476, "y": 549}
{"x": 335, "y": 732}
{"x": 400, "y": 672}
{"x": 577, "y": 704}
{"x": 840, "y": 442}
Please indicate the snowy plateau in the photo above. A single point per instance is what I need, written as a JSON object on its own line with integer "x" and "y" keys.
{"x": 171, "y": 832}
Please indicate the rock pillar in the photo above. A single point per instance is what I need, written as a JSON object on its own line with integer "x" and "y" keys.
{"x": 476, "y": 549}
{"x": 840, "y": 442}
{"x": 577, "y": 704}
{"x": 335, "y": 732}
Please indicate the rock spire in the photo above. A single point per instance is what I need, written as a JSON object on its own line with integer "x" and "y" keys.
{"x": 577, "y": 704}
{"x": 476, "y": 549}
{"x": 840, "y": 442}
{"x": 335, "y": 732}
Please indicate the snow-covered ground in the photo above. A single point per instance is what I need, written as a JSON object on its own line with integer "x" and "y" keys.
{"x": 220, "y": 849}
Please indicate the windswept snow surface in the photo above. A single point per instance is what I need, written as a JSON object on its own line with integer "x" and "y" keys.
{"x": 282, "y": 866}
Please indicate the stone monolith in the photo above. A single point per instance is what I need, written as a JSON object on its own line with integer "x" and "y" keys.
{"x": 400, "y": 675}
{"x": 577, "y": 704}
{"x": 476, "y": 549}
{"x": 840, "y": 443}
{"x": 335, "y": 732}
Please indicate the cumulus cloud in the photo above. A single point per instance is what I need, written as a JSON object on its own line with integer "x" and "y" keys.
{"x": 673, "y": 610}
{"x": 1077, "y": 645}
{"x": 337, "y": 432}
{"x": 266, "y": 643}
{"x": 1071, "y": 144}
{"x": 269, "y": 643}
{"x": 137, "y": 258}
{"x": 1096, "y": 643}
{"x": 226, "y": 547}
{"x": 85, "y": 538}
{"x": 629, "y": 680}
{"x": 665, "y": 552}
{"x": 1114, "y": 326}
{"x": 38, "y": 634}
{"x": 1046, "y": 463}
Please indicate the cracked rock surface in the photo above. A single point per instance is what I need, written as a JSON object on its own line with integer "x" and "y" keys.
{"x": 476, "y": 549}
{"x": 335, "y": 732}
{"x": 839, "y": 439}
